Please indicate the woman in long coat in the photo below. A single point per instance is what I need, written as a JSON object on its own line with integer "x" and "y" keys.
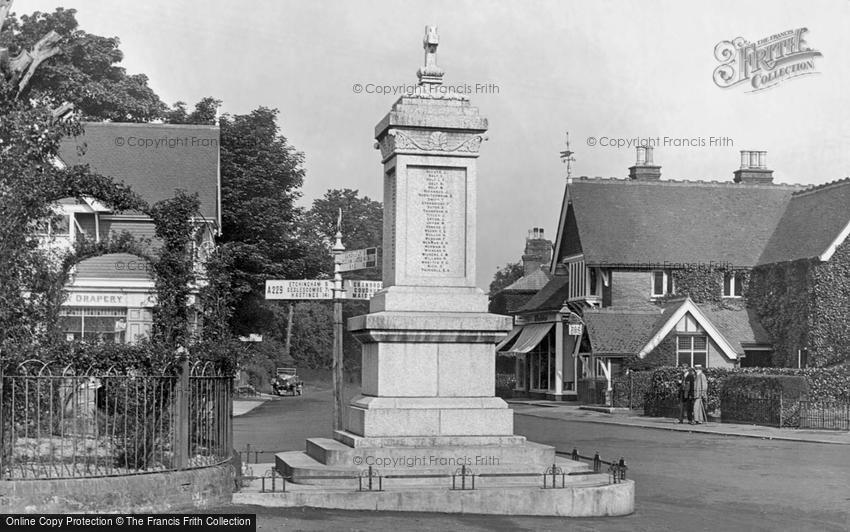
{"x": 700, "y": 396}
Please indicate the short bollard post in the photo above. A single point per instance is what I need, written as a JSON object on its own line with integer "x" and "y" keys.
{"x": 597, "y": 462}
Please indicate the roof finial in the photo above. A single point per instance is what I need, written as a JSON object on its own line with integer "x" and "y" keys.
{"x": 567, "y": 157}
{"x": 430, "y": 73}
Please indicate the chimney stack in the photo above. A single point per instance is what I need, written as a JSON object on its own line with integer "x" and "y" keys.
{"x": 644, "y": 169}
{"x": 538, "y": 251}
{"x": 753, "y": 168}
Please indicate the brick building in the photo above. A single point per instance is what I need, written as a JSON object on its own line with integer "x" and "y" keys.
{"x": 745, "y": 272}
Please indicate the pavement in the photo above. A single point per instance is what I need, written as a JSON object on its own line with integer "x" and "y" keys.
{"x": 243, "y": 406}
{"x": 635, "y": 418}
{"x": 629, "y": 418}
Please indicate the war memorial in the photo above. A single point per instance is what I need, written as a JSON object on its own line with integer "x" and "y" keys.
{"x": 427, "y": 432}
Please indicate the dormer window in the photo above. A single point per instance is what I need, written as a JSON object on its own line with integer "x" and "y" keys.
{"x": 733, "y": 284}
{"x": 662, "y": 283}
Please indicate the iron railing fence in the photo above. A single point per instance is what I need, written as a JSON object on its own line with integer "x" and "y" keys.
{"x": 592, "y": 391}
{"x": 751, "y": 408}
{"x": 463, "y": 478}
{"x": 65, "y": 423}
{"x": 825, "y": 415}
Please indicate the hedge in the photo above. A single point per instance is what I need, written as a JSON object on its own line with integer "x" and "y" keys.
{"x": 505, "y": 384}
{"x": 823, "y": 384}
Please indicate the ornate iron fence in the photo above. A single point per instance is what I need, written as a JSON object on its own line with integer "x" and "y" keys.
{"x": 827, "y": 415}
{"x": 63, "y": 423}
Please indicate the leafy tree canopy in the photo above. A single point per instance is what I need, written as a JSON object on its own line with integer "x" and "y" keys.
{"x": 86, "y": 71}
{"x": 362, "y": 227}
{"x": 505, "y": 276}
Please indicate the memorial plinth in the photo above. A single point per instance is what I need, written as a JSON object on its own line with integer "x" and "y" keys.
{"x": 427, "y": 404}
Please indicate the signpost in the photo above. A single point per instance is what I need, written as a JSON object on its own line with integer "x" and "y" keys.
{"x": 358, "y": 259}
{"x": 336, "y": 290}
{"x": 357, "y": 289}
{"x": 299, "y": 289}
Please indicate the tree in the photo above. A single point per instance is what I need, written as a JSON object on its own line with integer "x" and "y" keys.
{"x": 362, "y": 227}
{"x": 31, "y": 274}
{"x": 261, "y": 175}
{"x": 85, "y": 70}
{"x": 505, "y": 276}
{"x": 205, "y": 112}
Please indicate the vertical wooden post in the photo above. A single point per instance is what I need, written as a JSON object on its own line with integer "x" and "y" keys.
{"x": 181, "y": 417}
{"x": 2, "y": 423}
{"x": 338, "y": 295}
{"x": 288, "y": 346}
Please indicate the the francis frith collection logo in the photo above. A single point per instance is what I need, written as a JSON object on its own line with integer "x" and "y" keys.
{"x": 765, "y": 63}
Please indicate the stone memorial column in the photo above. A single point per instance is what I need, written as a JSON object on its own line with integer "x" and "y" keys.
{"x": 428, "y": 341}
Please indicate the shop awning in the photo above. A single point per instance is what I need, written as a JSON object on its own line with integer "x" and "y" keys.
{"x": 530, "y": 336}
{"x": 505, "y": 344}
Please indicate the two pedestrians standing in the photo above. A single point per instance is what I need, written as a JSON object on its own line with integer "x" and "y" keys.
{"x": 693, "y": 394}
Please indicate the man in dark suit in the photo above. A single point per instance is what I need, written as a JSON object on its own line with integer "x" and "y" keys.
{"x": 688, "y": 393}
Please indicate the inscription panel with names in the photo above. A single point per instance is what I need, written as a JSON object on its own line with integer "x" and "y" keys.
{"x": 436, "y": 222}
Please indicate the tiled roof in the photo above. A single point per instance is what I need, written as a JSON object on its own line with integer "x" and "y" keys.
{"x": 619, "y": 332}
{"x": 738, "y": 326}
{"x": 675, "y": 222}
{"x": 626, "y": 331}
{"x": 810, "y": 224}
{"x": 154, "y": 159}
{"x": 550, "y": 297}
{"x": 533, "y": 281}
{"x": 114, "y": 266}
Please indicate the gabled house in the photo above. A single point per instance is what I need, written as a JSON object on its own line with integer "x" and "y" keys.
{"x": 658, "y": 272}
{"x": 112, "y": 296}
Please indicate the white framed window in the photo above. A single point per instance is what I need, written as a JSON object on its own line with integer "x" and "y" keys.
{"x": 578, "y": 278}
{"x": 733, "y": 284}
{"x": 692, "y": 350}
{"x": 662, "y": 283}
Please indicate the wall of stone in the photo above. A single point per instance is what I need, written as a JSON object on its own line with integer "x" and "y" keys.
{"x": 145, "y": 493}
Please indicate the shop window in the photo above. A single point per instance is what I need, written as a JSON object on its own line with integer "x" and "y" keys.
{"x": 93, "y": 324}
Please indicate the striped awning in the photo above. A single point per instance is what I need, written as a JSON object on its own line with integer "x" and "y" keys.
{"x": 505, "y": 344}
{"x": 530, "y": 337}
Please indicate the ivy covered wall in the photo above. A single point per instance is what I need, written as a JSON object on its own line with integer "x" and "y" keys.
{"x": 805, "y": 304}
{"x": 781, "y": 297}
{"x": 829, "y": 321}
{"x": 704, "y": 284}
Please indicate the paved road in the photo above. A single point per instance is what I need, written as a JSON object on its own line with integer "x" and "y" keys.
{"x": 684, "y": 481}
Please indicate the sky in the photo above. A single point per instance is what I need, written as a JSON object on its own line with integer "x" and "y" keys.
{"x": 603, "y": 69}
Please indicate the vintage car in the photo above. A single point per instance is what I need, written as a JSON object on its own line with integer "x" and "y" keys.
{"x": 286, "y": 382}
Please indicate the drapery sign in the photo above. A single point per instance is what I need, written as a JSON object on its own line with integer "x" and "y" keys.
{"x": 299, "y": 289}
{"x": 575, "y": 329}
{"x": 362, "y": 289}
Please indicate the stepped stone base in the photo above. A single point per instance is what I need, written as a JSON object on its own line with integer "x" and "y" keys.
{"x": 585, "y": 494}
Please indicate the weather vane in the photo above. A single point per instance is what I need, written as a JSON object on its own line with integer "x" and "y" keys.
{"x": 567, "y": 157}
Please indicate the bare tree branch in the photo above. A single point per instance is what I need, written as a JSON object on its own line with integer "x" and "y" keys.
{"x": 5, "y": 6}
{"x": 24, "y": 64}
